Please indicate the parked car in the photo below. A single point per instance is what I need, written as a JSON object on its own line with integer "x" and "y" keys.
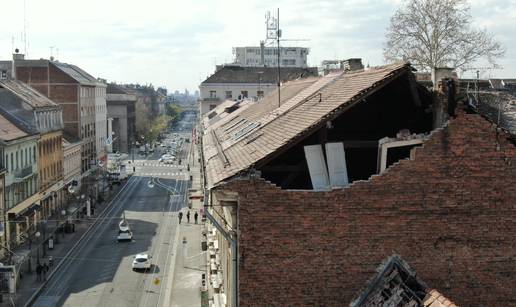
{"x": 141, "y": 262}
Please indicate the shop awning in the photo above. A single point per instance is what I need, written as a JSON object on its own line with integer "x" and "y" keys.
{"x": 19, "y": 208}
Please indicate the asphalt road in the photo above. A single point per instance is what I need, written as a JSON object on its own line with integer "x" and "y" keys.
{"x": 98, "y": 272}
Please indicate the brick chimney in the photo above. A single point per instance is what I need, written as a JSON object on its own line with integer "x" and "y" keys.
{"x": 16, "y": 57}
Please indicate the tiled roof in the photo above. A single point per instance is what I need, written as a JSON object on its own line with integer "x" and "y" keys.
{"x": 397, "y": 284}
{"x": 238, "y": 142}
{"x": 241, "y": 74}
{"x": 435, "y": 299}
{"x": 8, "y": 131}
{"x": 76, "y": 73}
{"x": 32, "y": 97}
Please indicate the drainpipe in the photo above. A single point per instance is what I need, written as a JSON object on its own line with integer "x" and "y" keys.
{"x": 230, "y": 237}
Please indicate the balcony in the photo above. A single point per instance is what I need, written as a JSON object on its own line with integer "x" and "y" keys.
{"x": 21, "y": 174}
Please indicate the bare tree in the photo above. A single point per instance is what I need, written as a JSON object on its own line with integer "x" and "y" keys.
{"x": 437, "y": 33}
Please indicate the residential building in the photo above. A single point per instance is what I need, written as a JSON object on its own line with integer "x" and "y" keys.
{"x": 348, "y": 168}
{"x": 3, "y": 251}
{"x": 101, "y": 122}
{"x": 268, "y": 56}
{"x": 74, "y": 89}
{"x": 34, "y": 112}
{"x": 19, "y": 157}
{"x": 233, "y": 82}
{"x": 72, "y": 163}
{"x": 121, "y": 117}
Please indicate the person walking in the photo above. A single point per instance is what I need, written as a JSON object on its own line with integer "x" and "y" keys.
{"x": 50, "y": 261}
{"x": 45, "y": 271}
{"x": 188, "y": 216}
{"x": 180, "y": 215}
{"x": 39, "y": 269}
{"x": 196, "y": 215}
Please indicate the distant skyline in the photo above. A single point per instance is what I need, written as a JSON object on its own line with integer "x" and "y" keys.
{"x": 177, "y": 45}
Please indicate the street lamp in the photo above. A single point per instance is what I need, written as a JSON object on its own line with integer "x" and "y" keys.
{"x": 29, "y": 265}
{"x": 171, "y": 191}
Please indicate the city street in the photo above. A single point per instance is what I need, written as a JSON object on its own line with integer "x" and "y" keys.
{"x": 98, "y": 272}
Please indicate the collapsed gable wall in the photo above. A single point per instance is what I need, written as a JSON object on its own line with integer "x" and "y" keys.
{"x": 450, "y": 213}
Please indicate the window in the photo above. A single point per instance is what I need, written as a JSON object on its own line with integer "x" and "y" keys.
{"x": 12, "y": 162}
{"x": 3, "y": 74}
{"x": 7, "y": 162}
{"x": 213, "y": 94}
{"x": 212, "y": 106}
{"x": 245, "y": 94}
{"x": 229, "y": 95}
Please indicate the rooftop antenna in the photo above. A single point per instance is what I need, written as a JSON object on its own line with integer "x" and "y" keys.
{"x": 25, "y": 26}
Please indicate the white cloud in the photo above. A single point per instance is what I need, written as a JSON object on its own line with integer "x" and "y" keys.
{"x": 176, "y": 43}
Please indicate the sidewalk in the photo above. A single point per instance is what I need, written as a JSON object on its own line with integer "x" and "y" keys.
{"x": 190, "y": 263}
{"x": 28, "y": 283}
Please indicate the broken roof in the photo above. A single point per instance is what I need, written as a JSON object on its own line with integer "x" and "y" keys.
{"x": 255, "y": 134}
{"x": 397, "y": 284}
{"x": 244, "y": 74}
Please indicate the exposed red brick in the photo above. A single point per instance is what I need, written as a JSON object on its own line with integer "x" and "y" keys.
{"x": 450, "y": 213}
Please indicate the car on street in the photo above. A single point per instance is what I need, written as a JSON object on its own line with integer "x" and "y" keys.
{"x": 142, "y": 262}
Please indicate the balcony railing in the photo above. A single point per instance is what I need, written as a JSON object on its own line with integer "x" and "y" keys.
{"x": 22, "y": 173}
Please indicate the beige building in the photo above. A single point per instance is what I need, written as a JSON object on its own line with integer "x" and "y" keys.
{"x": 45, "y": 117}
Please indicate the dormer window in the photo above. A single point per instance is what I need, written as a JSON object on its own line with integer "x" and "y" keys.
{"x": 3, "y": 74}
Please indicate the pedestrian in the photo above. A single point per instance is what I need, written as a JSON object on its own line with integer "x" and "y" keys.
{"x": 180, "y": 215}
{"x": 196, "y": 215}
{"x": 188, "y": 216}
{"x": 39, "y": 269}
{"x": 50, "y": 261}
{"x": 45, "y": 271}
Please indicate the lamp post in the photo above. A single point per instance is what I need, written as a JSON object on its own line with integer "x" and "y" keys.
{"x": 171, "y": 191}
{"x": 63, "y": 213}
{"x": 29, "y": 265}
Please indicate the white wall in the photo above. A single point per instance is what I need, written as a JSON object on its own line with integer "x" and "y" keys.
{"x": 250, "y": 56}
{"x": 100, "y": 120}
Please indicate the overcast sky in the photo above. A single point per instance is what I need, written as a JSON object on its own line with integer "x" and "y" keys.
{"x": 177, "y": 43}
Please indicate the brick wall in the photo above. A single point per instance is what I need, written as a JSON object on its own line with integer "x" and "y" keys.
{"x": 450, "y": 213}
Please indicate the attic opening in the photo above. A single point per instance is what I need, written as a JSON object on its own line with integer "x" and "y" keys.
{"x": 387, "y": 123}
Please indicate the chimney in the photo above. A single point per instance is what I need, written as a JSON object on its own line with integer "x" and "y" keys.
{"x": 439, "y": 73}
{"x": 16, "y": 57}
{"x": 351, "y": 64}
{"x": 445, "y": 89}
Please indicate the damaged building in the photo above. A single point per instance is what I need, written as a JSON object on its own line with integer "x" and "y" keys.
{"x": 309, "y": 191}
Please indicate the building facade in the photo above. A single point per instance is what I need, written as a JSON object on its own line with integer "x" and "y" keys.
{"x": 75, "y": 90}
{"x": 101, "y": 122}
{"x": 71, "y": 165}
{"x": 3, "y": 251}
{"x": 39, "y": 114}
{"x": 233, "y": 82}
{"x": 268, "y": 56}
{"x": 19, "y": 151}
{"x": 122, "y": 117}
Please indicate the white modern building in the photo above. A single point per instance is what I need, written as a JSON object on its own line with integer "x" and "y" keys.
{"x": 236, "y": 82}
{"x": 255, "y": 57}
